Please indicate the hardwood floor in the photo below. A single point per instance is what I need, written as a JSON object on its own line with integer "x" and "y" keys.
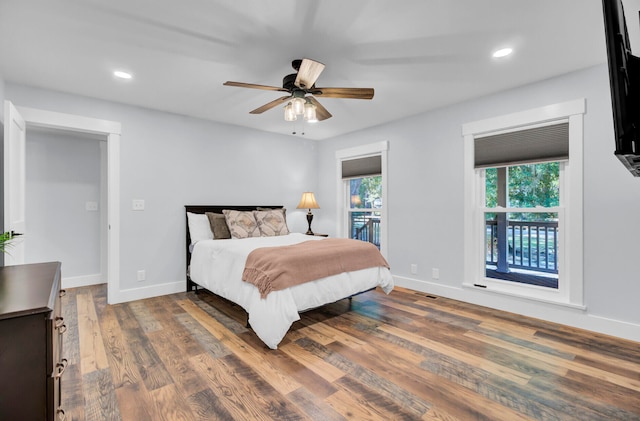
{"x": 404, "y": 356}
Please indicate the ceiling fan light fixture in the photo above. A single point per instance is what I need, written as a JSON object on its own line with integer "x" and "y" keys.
{"x": 298, "y": 105}
{"x": 289, "y": 115}
{"x": 310, "y": 112}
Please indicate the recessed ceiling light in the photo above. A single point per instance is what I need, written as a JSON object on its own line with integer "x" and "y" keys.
{"x": 503, "y": 52}
{"x": 122, "y": 75}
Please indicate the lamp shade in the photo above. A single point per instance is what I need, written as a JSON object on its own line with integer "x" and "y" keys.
{"x": 308, "y": 201}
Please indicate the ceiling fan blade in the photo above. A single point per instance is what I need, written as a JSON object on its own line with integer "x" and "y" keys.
{"x": 353, "y": 93}
{"x": 270, "y": 105}
{"x": 254, "y": 86}
{"x": 308, "y": 73}
{"x": 321, "y": 112}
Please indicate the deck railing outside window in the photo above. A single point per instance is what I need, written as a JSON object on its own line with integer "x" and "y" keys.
{"x": 532, "y": 245}
{"x": 365, "y": 227}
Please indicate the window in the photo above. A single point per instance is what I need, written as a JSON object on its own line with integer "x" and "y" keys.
{"x": 521, "y": 239}
{"x": 365, "y": 204}
{"x": 523, "y": 204}
{"x": 361, "y": 193}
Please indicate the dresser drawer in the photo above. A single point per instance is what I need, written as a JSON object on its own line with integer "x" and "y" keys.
{"x": 58, "y": 328}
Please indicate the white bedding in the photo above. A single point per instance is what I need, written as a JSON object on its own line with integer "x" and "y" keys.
{"x": 217, "y": 265}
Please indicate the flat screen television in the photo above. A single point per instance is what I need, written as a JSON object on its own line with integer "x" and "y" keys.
{"x": 624, "y": 78}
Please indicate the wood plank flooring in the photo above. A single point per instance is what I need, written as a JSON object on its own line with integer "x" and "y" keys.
{"x": 407, "y": 356}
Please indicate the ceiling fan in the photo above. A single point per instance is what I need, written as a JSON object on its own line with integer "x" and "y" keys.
{"x": 302, "y": 91}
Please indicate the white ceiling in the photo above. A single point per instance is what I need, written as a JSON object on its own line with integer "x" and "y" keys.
{"x": 417, "y": 54}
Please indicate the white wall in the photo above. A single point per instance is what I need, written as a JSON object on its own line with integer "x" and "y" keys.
{"x": 170, "y": 161}
{"x": 62, "y": 174}
{"x": 425, "y": 200}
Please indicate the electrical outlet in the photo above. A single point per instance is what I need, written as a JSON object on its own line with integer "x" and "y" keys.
{"x": 435, "y": 273}
{"x": 137, "y": 205}
{"x": 142, "y": 275}
{"x": 91, "y": 206}
{"x": 414, "y": 269}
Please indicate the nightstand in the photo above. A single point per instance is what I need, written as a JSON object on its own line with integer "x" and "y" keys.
{"x": 315, "y": 234}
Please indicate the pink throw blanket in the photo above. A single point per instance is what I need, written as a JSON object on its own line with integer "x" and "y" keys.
{"x": 276, "y": 268}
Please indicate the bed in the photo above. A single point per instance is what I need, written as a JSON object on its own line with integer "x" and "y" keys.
{"x": 217, "y": 265}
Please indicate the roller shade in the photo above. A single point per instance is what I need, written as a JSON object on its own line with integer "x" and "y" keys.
{"x": 362, "y": 167}
{"x": 539, "y": 144}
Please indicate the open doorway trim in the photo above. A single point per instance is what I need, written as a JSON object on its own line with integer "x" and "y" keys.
{"x": 112, "y": 131}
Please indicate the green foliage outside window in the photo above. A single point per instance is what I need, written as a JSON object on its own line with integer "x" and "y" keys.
{"x": 366, "y": 192}
{"x": 528, "y": 186}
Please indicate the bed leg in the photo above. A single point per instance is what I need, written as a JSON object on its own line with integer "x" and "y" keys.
{"x": 247, "y": 325}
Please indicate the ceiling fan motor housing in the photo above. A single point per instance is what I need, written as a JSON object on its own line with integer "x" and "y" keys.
{"x": 288, "y": 82}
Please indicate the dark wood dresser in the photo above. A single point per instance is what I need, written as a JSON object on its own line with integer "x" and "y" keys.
{"x": 31, "y": 328}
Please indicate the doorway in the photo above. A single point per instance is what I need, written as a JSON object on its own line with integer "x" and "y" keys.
{"x": 65, "y": 203}
{"x": 109, "y": 131}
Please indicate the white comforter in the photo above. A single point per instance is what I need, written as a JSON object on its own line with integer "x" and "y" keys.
{"x": 217, "y": 265}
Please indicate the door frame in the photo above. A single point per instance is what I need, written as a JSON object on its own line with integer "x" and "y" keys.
{"x": 13, "y": 184}
{"x": 112, "y": 131}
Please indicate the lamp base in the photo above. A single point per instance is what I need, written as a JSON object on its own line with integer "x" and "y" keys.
{"x": 309, "y": 219}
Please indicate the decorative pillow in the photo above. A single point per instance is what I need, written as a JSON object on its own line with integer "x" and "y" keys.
{"x": 199, "y": 228}
{"x": 284, "y": 211}
{"x": 271, "y": 222}
{"x": 218, "y": 226}
{"x": 241, "y": 224}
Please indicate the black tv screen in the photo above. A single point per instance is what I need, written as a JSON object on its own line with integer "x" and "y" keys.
{"x": 624, "y": 78}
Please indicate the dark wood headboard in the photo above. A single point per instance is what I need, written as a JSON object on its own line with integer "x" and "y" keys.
{"x": 213, "y": 209}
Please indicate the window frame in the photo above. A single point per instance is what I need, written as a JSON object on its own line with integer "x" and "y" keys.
{"x": 343, "y": 191}
{"x": 570, "y": 242}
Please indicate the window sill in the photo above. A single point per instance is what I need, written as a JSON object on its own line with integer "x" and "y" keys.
{"x": 497, "y": 290}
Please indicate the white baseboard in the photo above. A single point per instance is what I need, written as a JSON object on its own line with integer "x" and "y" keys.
{"x": 83, "y": 281}
{"x": 539, "y": 310}
{"x": 150, "y": 291}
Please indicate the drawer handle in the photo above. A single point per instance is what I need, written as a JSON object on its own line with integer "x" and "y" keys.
{"x": 61, "y": 415}
{"x": 60, "y": 325}
{"x": 60, "y": 368}
{"x": 62, "y": 293}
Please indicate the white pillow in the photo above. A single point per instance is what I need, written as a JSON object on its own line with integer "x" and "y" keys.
{"x": 199, "y": 227}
